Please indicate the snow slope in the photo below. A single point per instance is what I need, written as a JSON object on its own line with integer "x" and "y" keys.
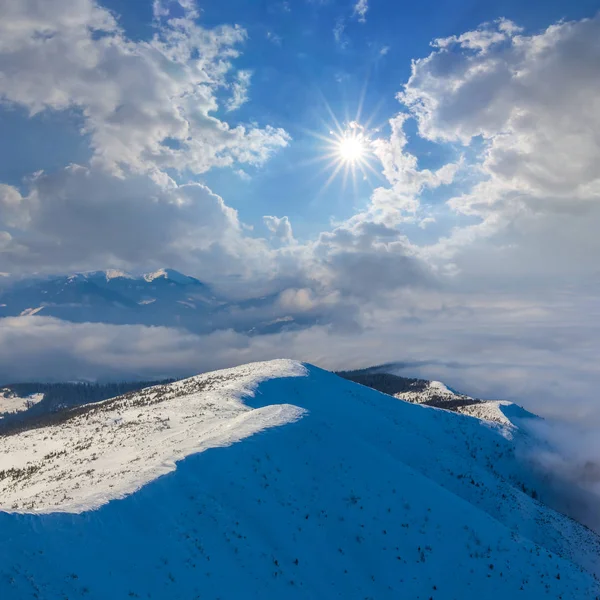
{"x": 354, "y": 495}
{"x": 433, "y": 393}
{"x": 122, "y": 444}
{"x": 432, "y": 390}
{"x": 12, "y": 403}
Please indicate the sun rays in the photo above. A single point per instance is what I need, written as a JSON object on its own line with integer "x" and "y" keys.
{"x": 352, "y": 147}
{"x": 348, "y": 152}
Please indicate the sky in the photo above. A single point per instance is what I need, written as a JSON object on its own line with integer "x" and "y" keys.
{"x": 421, "y": 179}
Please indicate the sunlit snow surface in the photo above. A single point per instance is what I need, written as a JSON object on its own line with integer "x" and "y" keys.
{"x": 12, "y": 403}
{"x": 354, "y": 495}
{"x": 117, "y": 446}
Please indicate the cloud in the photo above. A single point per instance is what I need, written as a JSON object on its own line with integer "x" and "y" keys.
{"x": 274, "y": 38}
{"x": 338, "y": 32}
{"x": 82, "y": 217}
{"x": 360, "y": 10}
{"x": 240, "y": 91}
{"x": 541, "y": 354}
{"x": 402, "y": 171}
{"x": 280, "y": 228}
{"x": 145, "y": 104}
{"x": 362, "y": 258}
{"x": 535, "y": 182}
{"x": 162, "y": 8}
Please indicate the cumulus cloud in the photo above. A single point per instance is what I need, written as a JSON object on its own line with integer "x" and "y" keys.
{"x": 280, "y": 228}
{"x": 82, "y": 217}
{"x": 526, "y": 101}
{"x": 402, "y": 171}
{"x": 145, "y": 104}
{"x": 363, "y": 258}
{"x": 147, "y": 107}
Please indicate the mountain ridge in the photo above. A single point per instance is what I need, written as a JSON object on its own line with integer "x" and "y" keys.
{"x": 329, "y": 488}
{"x": 164, "y": 297}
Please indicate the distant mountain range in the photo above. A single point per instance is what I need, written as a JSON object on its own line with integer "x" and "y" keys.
{"x": 165, "y": 297}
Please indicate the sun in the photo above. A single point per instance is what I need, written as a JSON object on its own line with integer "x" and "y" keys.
{"x": 352, "y": 148}
{"x": 349, "y": 151}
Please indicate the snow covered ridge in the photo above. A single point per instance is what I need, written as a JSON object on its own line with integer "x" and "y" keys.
{"x": 87, "y": 456}
{"x": 434, "y": 393}
{"x": 11, "y": 403}
{"x": 361, "y": 496}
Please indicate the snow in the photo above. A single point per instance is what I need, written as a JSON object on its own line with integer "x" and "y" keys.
{"x": 12, "y": 403}
{"x": 490, "y": 410}
{"x": 116, "y": 274}
{"x": 441, "y": 388}
{"x": 171, "y": 275}
{"x": 495, "y": 411}
{"x": 153, "y": 430}
{"x": 152, "y": 276}
{"x": 434, "y": 390}
{"x": 326, "y": 489}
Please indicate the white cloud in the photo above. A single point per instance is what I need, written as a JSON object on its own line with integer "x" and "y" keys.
{"x": 280, "y": 228}
{"x": 239, "y": 88}
{"x": 162, "y": 8}
{"x": 82, "y": 217}
{"x": 338, "y": 32}
{"x": 363, "y": 259}
{"x": 360, "y": 10}
{"x": 145, "y": 104}
{"x": 274, "y": 38}
{"x": 401, "y": 169}
{"x": 532, "y": 100}
{"x": 541, "y": 353}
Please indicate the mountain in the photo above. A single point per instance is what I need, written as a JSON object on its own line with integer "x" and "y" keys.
{"x": 162, "y": 298}
{"x": 432, "y": 393}
{"x": 279, "y": 480}
{"x": 11, "y": 402}
{"x": 25, "y": 403}
{"x": 165, "y": 297}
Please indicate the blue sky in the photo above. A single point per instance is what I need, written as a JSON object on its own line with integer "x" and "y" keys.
{"x": 139, "y": 135}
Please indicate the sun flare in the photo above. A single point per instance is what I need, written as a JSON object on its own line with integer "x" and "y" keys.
{"x": 352, "y": 148}
{"x": 350, "y": 151}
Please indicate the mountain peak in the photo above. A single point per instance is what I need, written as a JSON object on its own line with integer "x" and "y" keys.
{"x": 117, "y": 274}
{"x": 170, "y": 274}
{"x": 106, "y": 274}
